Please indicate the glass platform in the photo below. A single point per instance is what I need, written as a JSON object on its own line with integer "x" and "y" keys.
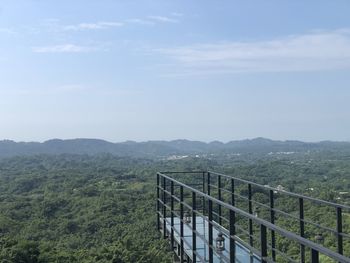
{"x": 243, "y": 255}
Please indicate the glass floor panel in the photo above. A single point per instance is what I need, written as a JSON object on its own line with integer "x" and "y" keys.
{"x": 243, "y": 255}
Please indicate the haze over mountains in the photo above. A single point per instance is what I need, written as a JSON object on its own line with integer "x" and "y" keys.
{"x": 162, "y": 148}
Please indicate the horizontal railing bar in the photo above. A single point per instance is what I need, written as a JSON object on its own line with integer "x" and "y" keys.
{"x": 226, "y": 220}
{"x": 213, "y": 185}
{"x": 177, "y": 199}
{"x": 186, "y": 205}
{"x": 167, "y": 206}
{"x": 226, "y": 190}
{"x": 183, "y": 172}
{"x": 160, "y": 213}
{"x": 344, "y": 235}
{"x": 200, "y": 184}
{"x": 333, "y": 231}
{"x": 298, "y": 219}
{"x": 281, "y": 212}
{"x": 304, "y": 220}
{"x": 261, "y": 204}
{"x": 266, "y": 206}
{"x": 262, "y": 186}
{"x": 241, "y": 229}
{"x": 241, "y": 196}
{"x": 269, "y": 225}
{"x": 284, "y": 192}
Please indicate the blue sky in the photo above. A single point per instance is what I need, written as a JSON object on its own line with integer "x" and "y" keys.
{"x": 159, "y": 69}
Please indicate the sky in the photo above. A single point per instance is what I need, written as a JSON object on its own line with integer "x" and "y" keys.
{"x": 175, "y": 69}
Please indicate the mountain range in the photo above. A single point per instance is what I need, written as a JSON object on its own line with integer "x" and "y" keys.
{"x": 10, "y": 148}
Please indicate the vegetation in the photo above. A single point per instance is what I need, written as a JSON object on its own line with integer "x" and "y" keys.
{"x": 78, "y": 209}
{"x": 101, "y": 208}
{"x": 159, "y": 149}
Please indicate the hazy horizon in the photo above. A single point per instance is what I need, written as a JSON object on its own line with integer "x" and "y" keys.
{"x": 167, "y": 140}
{"x": 161, "y": 69}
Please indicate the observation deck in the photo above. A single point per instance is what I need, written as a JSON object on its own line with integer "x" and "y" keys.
{"x": 212, "y": 217}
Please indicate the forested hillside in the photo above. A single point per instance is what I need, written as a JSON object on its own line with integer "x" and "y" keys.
{"x": 80, "y": 208}
{"x": 154, "y": 149}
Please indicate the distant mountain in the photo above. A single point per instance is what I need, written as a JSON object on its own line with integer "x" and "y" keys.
{"x": 162, "y": 148}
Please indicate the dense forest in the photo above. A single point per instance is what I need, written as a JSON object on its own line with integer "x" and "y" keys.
{"x": 78, "y": 209}
{"x": 161, "y": 149}
{"x": 101, "y": 208}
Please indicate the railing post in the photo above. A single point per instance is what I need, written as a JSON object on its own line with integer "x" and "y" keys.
{"x": 263, "y": 240}
{"x": 339, "y": 230}
{"x": 210, "y": 230}
{"x": 181, "y": 224}
{"x": 164, "y": 208}
{"x": 232, "y": 225}
{"x": 301, "y": 228}
{"x": 220, "y": 198}
{"x": 172, "y": 215}
{"x": 208, "y": 183}
{"x": 158, "y": 206}
{"x": 194, "y": 227}
{"x": 232, "y": 234}
{"x": 314, "y": 256}
{"x": 203, "y": 189}
{"x": 233, "y": 203}
{"x": 250, "y": 210}
{"x": 272, "y": 220}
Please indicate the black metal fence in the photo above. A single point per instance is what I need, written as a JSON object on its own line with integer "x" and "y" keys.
{"x": 214, "y": 197}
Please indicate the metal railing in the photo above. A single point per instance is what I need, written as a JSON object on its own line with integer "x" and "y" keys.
{"x": 196, "y": 194}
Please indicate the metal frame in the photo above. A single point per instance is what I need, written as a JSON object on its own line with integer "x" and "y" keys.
{"x": 261, "y": 246}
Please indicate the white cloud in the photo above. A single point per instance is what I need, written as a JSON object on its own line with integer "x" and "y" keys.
{"x": 140, "y": 21}
{"x": 152, "y": 20}
{"x": 93, "y": 26}
{"x": 315, "y": 51}
{"x": 163, "y": 19}
{"x": 53, "y": 25}
{"x": 110, "y": 24}
{"x": 66, "y": 48}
